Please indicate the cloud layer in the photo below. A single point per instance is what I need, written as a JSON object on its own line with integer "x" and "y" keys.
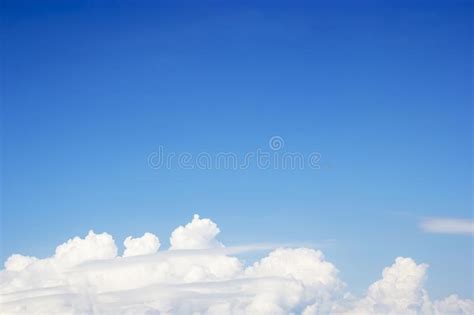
{"x": 198, "y": 275}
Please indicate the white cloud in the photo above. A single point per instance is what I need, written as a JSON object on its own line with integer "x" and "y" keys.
{"x": 18, "y": 262}
{"x": 400, "y": 291}
{"x": 198, "y": 234}
{"x": 448, "y": 225}
{"x": 200, "y": 276}
{"x": 145, "y": 245}
{"x": 305, "y": 265}
{"x": 92, "y": 247}
{"x": 454, "y": 305}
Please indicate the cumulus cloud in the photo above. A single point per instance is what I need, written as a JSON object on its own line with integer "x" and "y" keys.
{"x": 198, "y": 275}
{"x": 92, "y": 247}
{"x": 145, "y": 245}
{"x": 198, "y": 234}
{"x": 18, "y": 262}
{"x": 454, "y": 305}
{"x": 400, "y": 291}
{"x": 448, "y": 226}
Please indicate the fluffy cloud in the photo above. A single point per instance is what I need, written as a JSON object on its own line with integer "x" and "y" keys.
{"x": 198, "y": 234}
{"x": 400, "y": 291}
{"x": 454, "y": 305}
{"x": 92, "y": 247}
{"x": 198, "y": 275}
{"x": 145, "y": 245}
{"x": 19, "y": 262}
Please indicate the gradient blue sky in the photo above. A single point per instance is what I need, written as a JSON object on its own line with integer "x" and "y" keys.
{"x": 381, "y": 90}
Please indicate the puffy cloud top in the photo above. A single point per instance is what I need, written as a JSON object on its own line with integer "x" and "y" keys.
{"x": 454, "y": 305}
{"x": 399, "y": 291}
{"x": 92, "y": 247}
{"x": 198, "y": 276}
{"x": 145, "y": 245}
{"x": 18, "y": 262}
{"x": 303, "y": 264}
{"x": 198, "y": 234}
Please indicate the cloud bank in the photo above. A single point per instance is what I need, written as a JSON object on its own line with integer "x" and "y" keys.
{"x": 198, "y": 275}
{"x": 448, "y": 226}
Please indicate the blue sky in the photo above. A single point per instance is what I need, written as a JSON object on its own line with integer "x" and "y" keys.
{"x": 381, "y": 90}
